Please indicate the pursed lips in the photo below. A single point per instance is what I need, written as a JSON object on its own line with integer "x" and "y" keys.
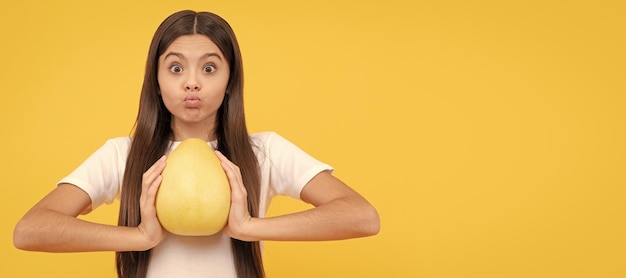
{"x": 192, "y": 101}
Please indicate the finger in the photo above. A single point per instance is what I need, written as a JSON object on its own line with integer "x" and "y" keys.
{"x": 154, "y": 171}
{"x": 234, "y": 176}
{"x": 154, "y": 187}
{"x": 221, "y": 156}
{"x": 158, "y": 166}
{"x": 232, "y": 170}
{"x": 148, "y": 198}
{"x": 151, "y": 178}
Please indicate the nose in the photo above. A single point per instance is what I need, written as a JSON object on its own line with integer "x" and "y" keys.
{"x": 192, "y": 84}
{"x": 192, "y": 87}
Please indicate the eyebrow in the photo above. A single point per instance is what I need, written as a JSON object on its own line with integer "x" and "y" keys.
{"x": 181, "y": 56}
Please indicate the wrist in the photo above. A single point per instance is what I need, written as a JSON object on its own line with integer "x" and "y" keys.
{"x": 141, "y": 239}
{"x": 245, "y": 231}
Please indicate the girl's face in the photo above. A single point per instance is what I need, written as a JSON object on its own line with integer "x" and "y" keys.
{"x": 193, "y": 75}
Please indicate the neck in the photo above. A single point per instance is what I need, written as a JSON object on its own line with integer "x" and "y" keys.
{"x": 182, "y": 131}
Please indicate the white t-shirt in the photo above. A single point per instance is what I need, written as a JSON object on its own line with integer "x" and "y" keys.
{"x": 285, "y": 170}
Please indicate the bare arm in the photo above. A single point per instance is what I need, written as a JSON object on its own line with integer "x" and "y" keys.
{"x": 51, "y": 225}
{"x": 339, "y": 213}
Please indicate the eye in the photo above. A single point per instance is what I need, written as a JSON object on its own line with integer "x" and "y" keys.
{"x": 176, "y": 68}
{"x": 209, "y": 68}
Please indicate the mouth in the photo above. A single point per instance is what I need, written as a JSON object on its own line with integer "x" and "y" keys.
{"x": 192, "y": 101}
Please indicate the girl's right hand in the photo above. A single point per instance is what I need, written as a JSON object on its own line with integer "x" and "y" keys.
{"x": 150, "y": 225}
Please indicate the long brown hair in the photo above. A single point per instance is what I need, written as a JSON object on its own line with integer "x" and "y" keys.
{"x": 153, "y": 132}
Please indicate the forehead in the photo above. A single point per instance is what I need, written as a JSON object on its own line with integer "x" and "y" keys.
{"x": 189, "y": 45}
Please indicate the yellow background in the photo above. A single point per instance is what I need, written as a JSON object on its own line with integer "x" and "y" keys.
{"x": 490, "y": 135}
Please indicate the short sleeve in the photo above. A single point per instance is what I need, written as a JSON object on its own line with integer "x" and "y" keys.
{"x": 290, "y": 168}
{"x": 101, "y": 174}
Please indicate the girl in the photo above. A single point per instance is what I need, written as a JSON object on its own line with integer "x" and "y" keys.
{"x": 193, "y": 87}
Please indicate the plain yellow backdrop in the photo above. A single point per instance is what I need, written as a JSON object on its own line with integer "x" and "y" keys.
{"x": 490, "y": 135}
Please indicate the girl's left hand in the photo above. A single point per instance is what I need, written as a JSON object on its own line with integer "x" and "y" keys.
{"x": 239, "y": 218}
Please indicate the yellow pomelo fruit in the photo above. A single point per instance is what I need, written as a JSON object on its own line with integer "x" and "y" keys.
{"x": 194, "y": 195}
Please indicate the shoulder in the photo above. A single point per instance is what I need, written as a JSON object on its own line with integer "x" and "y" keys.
{"x": 275, "y": 146}
{"x": 120, "y": 143}
{"x": 119, "y": 146}
{"x": 266, "y": 143}
{"x": 122, "y": 140}
{"x": 263, "y": 136}
{"x": 266, "y": 140}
